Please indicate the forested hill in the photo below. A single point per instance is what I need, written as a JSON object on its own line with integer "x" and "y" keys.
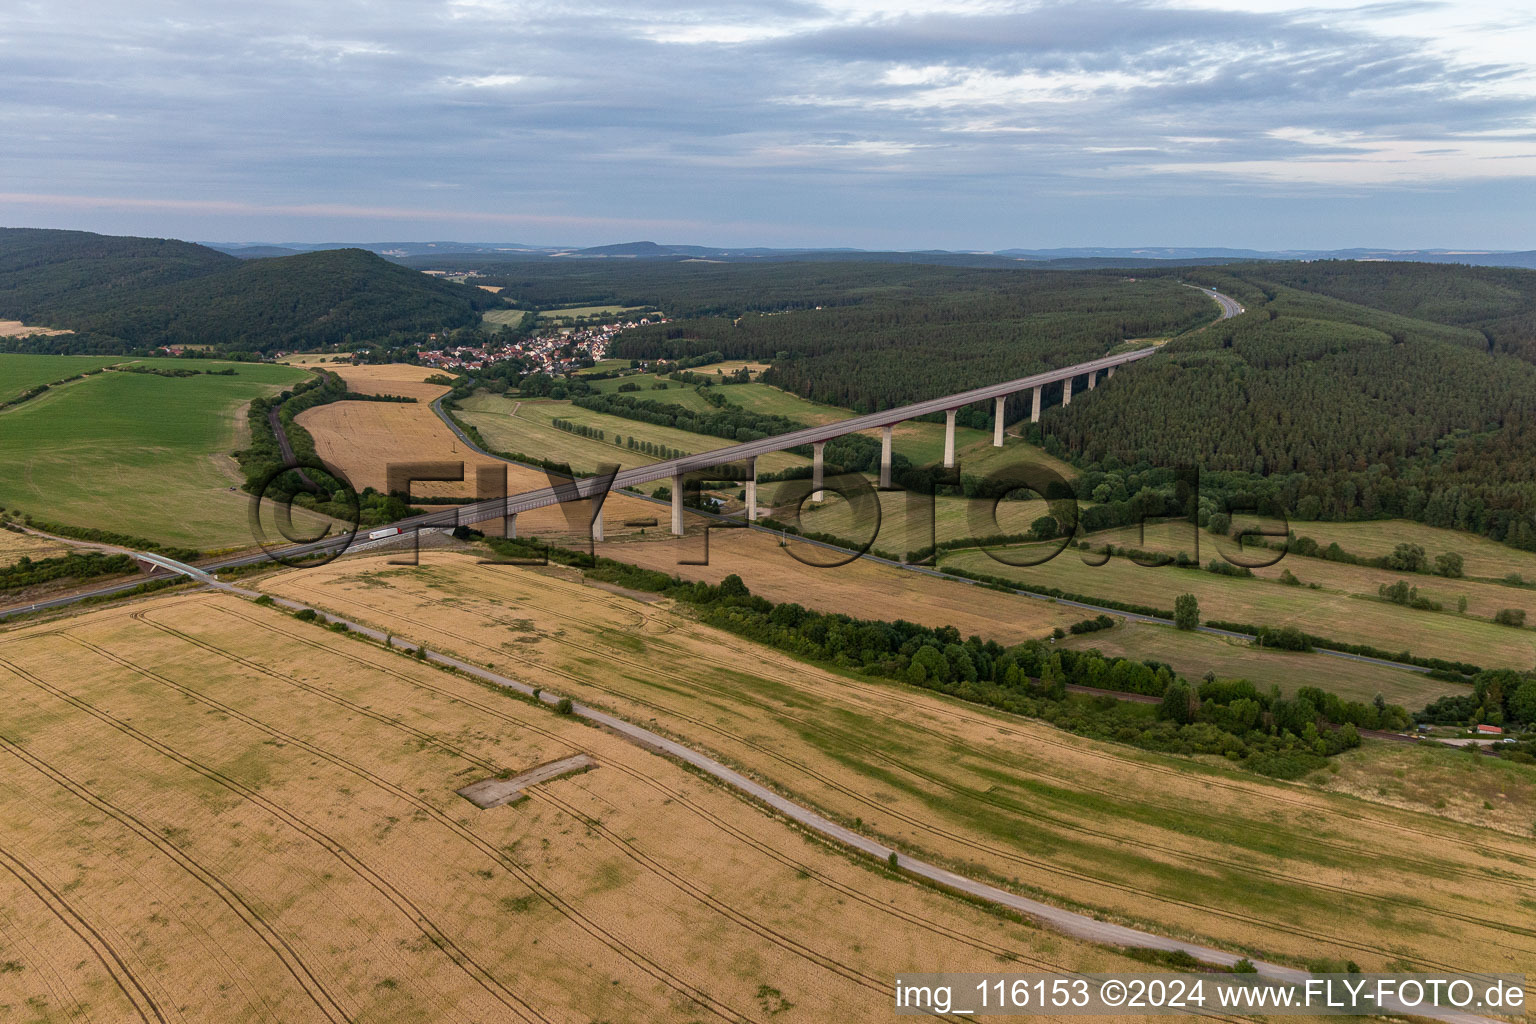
{"x": 930, "y": 331}
{"x": 126, "y": 293}
{"x": 1337, "y": 410}
{"x": 1498, "y": 306}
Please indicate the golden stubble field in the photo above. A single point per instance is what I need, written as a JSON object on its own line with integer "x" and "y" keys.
{"x": 14, "y": 546}
{"x": 863, "y": 588}
{"x": 212, "y": 812}
{"x": 362, "y": 438}
{"x": 401, "y": 379}
{"x": 17, "y": 329}
{"x": 1188, "y": 848}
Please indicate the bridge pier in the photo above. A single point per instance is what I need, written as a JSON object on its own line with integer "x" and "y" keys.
{"x": 752, "y": 490}
{"x": 816, "y": 450}
{"x": 885, "y": 457}
{"x": 510, "y": 528}
{"x": 1034, "y": 411}
{"x": 597, "y": 524}
{"x": 949, "y": 438}
{"x": 997, "y": 422}
{"x": 1111, "y": 371}
{"x": 677, "y": 504}
{"x": 1093, "y": 378}
{"x": 1066, "y": 392}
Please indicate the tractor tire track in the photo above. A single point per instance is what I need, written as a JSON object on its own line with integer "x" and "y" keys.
{"x": 279, "y": 946}
{"x": 619, "y": 946}
{"x": 122, "y": 976}
{"x": 921, "y": 825}
{"x": 339, "y": 850}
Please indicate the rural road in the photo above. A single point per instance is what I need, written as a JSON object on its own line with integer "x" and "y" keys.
{"x": 1077, "y": 925}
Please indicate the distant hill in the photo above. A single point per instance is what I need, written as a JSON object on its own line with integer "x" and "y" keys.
{"x": 439, "y": 255}
{"x": 256, "y": 252}
{"x": 139, "y": 292}
{"x": 633, "y": 249}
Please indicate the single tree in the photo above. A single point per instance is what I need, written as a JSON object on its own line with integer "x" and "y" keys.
{"x": 1186, "y": 611}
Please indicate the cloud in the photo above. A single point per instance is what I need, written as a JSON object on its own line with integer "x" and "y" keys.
{"x": 824, "y": 121}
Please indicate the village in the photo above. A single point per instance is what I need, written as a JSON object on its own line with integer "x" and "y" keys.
{"x": 555, "y": 351}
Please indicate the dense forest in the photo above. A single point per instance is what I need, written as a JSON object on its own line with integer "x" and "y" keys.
{"x": 958, "y": 331}
{"x": 1335, "y": 410}
{"x": 126, "y": 294}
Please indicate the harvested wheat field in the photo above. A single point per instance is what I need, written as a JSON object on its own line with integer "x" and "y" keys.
{"x": 17, "y": 329}
{"x": 15, "y": 546}
{"x": 1194, "y": 849}
{"x": 863, "y": 588}
{"x": 214, "y": 812}
{"x": 363, "y": 438}
{"x": 401, "y": 379}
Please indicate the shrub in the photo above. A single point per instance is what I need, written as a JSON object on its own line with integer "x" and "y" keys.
{"x": 1510, "y": 617}
{"x": 305, "y": 615}
{"x": 1449, "y": 565}
{"x": 1406, "y": 558}
{"x": 565, "y": 707}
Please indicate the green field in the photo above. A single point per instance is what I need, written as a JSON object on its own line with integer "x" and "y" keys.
{"x": 1332, "y": 612}
{"x": 1192, "y": 655}
{"x": 923, "y": 443}
{"x": 580, "y": 312}
{"x": 670, "y": 392}
{"x": 1484, "y": 558}
{"x": 603, "y": 366}
{"x": 981, "y": 459}
{"x": 526, "y": 426}
{"x": 767, "y": 400}
{"x": 20, "y": 372}
{"x": 905, "y": 524}
{"x": 503, "y": 317}
{"x": 138, "y": 453}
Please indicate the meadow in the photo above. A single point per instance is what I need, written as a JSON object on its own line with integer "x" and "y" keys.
{"x": 906, "y": 525}
{"x": 137, "y": 453}
{"x": 657, "y": 388}
{"x": 1345, "y": 607}
{"x": 1188, "y": 847}
{"x": 527, "y": 426}
{"x": 19, "y": 372}
{"x": 264, "y": 825}
{"x": 1483, "y": 558}
{"x": 503, "y": 317}
{"x": 583, "y": 312}
{"x": 1192, "y": 655}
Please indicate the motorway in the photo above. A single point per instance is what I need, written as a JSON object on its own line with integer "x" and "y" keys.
{"x": 1229, "y": 306}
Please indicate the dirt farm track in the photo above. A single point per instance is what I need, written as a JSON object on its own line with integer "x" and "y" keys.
{"x": 213, "y": 812}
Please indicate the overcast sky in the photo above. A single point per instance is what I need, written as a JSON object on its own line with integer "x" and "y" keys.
{"x": 963, "y": 124}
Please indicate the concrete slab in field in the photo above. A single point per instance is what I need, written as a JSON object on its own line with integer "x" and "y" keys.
{"x": 494, "y": 792}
